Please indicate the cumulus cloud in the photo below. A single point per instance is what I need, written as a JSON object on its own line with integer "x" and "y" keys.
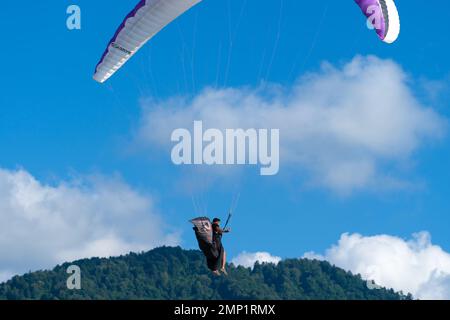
{"x": 42, "y": 225}
{"x": 413, "y": 266}
{"x": 344, "y": 127}
{"x": 248, "y": 259}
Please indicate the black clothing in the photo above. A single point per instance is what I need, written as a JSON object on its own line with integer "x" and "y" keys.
{"x": 217, "y": 241}
{"x": 217, "y": 235}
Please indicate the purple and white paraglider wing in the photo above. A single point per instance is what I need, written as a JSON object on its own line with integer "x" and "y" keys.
{"x": 139, "y": 26}
{"x": 383, "y": 16}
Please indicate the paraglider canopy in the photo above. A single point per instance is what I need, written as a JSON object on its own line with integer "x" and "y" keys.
{"x": 140, "y": 25}
{"x": 383, "y": 16}
{"x": 149, "y": 17}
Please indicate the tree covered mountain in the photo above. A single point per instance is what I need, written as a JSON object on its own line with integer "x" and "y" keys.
{"x": 174, "y": 273}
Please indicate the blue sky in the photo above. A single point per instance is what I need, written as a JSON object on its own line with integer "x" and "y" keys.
{"x": 57, "y": 123}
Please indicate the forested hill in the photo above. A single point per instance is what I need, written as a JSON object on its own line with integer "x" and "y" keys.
{"x": 174, "y": 273}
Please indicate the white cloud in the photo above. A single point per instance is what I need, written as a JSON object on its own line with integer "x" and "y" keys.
{"x": 415, "y": 266}
{"x": 6, "y": 275}
{"x": 248, "y": 260}
{"x": 43, "y": 225}
{"x": 347, "y": 128}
